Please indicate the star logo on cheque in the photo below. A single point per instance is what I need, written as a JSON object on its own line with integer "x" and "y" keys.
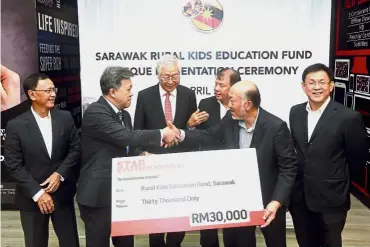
{"x": 205, "y": 15}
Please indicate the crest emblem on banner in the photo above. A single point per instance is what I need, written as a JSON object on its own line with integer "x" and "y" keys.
{"x": 205, "y": 15}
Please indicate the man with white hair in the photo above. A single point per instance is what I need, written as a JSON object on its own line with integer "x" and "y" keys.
{"x": 158, "y": 104}
{"x": 247, "y": 125}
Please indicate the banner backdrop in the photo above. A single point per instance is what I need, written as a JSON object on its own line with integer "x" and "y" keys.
{"x": 269, "y": 42}
{"x": 37, "y": 36}
{"x": 350, "y": 62}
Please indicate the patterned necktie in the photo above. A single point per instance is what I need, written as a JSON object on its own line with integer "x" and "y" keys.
{"x": 167, "y": 108}
{"x": 120, "y": 116}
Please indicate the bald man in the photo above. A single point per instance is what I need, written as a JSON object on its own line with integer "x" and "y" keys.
{"x": 247, "y": 125}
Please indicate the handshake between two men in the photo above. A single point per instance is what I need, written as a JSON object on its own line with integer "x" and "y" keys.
{"x": 172, "y": 135}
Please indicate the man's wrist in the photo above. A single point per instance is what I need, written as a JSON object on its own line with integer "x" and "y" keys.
{"x": 182, "y": 135}
{"x": 161, "y": 131}
{"x": 276, "y": 203}
{"x": 37, "y": 196}
{"x": 61, "y": 177}
{"x": 191, "y": 124}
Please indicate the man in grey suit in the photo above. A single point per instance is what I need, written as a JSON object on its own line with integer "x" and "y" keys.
{"x": 106, "y": 134}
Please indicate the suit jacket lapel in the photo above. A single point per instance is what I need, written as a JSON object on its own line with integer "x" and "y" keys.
{"x": 304, "y": 134}
{"x": 35, "y": 132}
{"x": 259, "y": 129}
{"x": 235, "y": 134}
{"x": 179, "y": 106}
{"x": 126, "y": 119}
{"x": 55, "y": 130}
{"x": 216, "y": 110}
{"x": 322, "y": 123}
{"x": 103, "y": 101}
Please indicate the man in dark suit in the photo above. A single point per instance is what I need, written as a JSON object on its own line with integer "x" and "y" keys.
{"x": 247, "y": 125}
{"x": 106, "y": 134}
{"x": 216, "y": 106}
{"x": 331, "y": 141}
{"x": 42, "y": 150}
{"x": 156, "y": 105}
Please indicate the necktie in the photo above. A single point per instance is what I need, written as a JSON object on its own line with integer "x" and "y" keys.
{"x": 167, "y": 108}
{"x": 120, "y": 116}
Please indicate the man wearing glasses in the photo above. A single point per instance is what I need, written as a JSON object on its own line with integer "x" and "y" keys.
{"x": 158, "y": 104}
{"x": 331, "y": 141}
{"x": 42, "y": 150}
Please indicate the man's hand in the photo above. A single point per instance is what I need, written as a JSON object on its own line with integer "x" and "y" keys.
{"x": 270, "y": 212}
{"x": 197, "y": 118}
{"x": 9, "y": 88}
{"x": 53, "y": 181}
{"x": 171, "y": 135}
{"x": 145, "y": 153}
{"x": 45, "y": 203}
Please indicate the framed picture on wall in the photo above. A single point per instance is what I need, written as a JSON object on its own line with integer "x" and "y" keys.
{"x": 341, "y": 71}
{"x": 340, "y": 92}
{"x": 362, "y": 84}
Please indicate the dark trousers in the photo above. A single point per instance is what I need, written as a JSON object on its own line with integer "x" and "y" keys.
{"x": 173, "y": 239}
{"x": 274, "y": 234}
{"x": 314, "y": 229}
{"x": 97, "y": 228}
{"x": 36, "y": 227}
{"x": 209, "y": 238}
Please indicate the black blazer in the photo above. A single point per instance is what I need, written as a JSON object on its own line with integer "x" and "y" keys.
{"x": 29, "y": 163}
{"x": 103, "y": 138}
{"x": 212, "y": 107}
{"x": 275, "y": 152}
{"x": 338, "y": 143}
{"x": 149, "y": 114}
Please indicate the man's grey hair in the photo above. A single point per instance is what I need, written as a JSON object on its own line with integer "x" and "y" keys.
{"x": 112, "y": 77}
{"x": 166, "y": 61}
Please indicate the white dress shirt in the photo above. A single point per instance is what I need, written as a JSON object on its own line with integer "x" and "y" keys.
{"x": 314, "y": 116}
{"x": 173, "y": 96}
{"x": 223, "y": 109}
{"x": 116, "y": 110}
{"x": 44, "y": 125}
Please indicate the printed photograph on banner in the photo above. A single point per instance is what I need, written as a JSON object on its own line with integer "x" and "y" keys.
{"x": 86, "y": 101}
{"x": 362, "y": 84}
{"x": 206, "y": 15}
{"x": 18, "y": 60}
{"x": 341, "y": 71}
{"x": 340, "y": 91}
{"x": 18, "y": 52}
{"x": 193, "y": 8}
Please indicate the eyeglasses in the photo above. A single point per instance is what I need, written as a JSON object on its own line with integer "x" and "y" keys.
{"x": 167, "y": 78}
{"x": 317, "y": 83}
{"x": 49, "y": 90}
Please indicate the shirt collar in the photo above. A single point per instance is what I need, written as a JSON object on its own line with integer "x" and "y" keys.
{"x": 321, "y": 109}
{"x": 222, "y": 105}
{"x": 116, "y": 110}
{"x": 251, "y": 129}
{"x": 162, "y": 92}
{"x": 37, "y": 116}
